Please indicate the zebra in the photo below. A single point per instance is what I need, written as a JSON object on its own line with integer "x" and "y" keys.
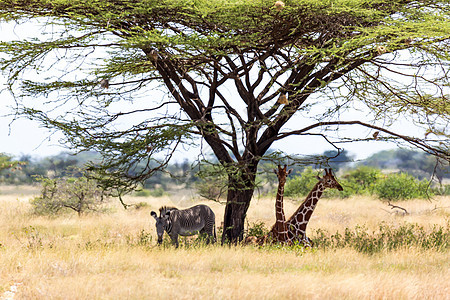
{"x": 198, "y": 219}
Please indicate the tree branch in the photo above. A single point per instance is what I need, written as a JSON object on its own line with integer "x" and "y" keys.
{"x": 414, "y": 141}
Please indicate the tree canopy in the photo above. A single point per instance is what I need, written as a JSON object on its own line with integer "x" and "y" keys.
{"x": 238, "y": 74}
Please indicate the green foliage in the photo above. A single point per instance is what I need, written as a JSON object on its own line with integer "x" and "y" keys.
{"x": 301, "y": 185}
{"x": 365, "y": 180}
{"x": 212, "y": 182}
{"x": 157, "y": 192}
{"x": 336, "y": 161}
{"x": 9, "y": 168}
{"x": 362, "y": 179}
{"x": 401, "y": 186}
{"x": 60, "y": 195}
{"x": 257, "y": 229}
{"x": 359, "y": 181}
{"x": 418, "y": 164}
{"x": 387, "y": 238}
{"x": 54, "y": 166}
{"x": 6, "y": 162}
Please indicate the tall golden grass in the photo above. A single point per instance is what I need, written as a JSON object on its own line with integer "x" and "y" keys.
{"x": 113, "y": 256}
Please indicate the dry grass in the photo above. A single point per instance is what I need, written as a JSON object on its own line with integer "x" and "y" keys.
{"x": 109, "y": 257}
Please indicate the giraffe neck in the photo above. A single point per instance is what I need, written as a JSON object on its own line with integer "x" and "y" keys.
{"x": 297, "y": 223}
{"x": 279, "y": 211}
{"x": 279, "y": 229}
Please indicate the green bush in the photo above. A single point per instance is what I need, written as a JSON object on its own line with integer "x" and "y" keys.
{"x": 257, "y": 229}
{"x": 386, "y": 238}
{"x": 401, "y": 186}
{"x": 365, "y": 181}
{"x": 142, "y": 193}
{"x": 362, "y": 180}
{"x": 79, "y": 194}
{"x": 157, "y": 192}
{"x": 301, "y": 185}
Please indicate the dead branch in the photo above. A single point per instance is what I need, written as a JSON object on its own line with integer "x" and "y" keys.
{"x": 396, "y": 206}
{"x": 437, "y": 208}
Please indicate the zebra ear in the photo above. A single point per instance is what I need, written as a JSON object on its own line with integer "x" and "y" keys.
{"x": 167, "y": 214}
{"x": 153, "y": 214}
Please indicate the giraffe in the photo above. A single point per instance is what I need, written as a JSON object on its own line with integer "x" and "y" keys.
{"x": 296, "y": 225}
{"x": 279, "y": 229}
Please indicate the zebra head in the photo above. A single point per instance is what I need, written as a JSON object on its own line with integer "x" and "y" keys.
{"x": 162, "y": 222}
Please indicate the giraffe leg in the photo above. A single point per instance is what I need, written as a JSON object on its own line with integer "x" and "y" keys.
{"x": 307, "y": 243}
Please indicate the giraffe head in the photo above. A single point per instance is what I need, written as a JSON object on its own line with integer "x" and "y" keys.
{"x": 282, "y": 173}
{"x": 329, "y": 181}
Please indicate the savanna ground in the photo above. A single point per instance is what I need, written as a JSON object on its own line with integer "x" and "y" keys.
{"x": 113, "y": 255}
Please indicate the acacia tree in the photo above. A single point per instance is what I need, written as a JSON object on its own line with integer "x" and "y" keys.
{"x": 234, "y": 73}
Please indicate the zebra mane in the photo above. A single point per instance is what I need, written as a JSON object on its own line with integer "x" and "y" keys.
{"x": 165, "y": 209}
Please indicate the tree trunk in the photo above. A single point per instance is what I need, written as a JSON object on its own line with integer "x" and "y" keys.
{"x": 240, "y": 192}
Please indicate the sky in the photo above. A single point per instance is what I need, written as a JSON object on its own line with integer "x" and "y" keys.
{"x": 25, "y": 137}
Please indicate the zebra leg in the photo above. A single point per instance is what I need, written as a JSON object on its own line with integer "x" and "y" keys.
{"x": 211, "y": 233}
{"x": 174, "y": 238}
{"x": 204, "y": 235}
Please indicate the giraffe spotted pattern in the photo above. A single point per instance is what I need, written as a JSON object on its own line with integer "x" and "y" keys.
{"x": 296, "y": 225}
{"x": 279, "y": 231}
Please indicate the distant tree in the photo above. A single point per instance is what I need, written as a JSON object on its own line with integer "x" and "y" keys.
{"x": 239, "y": 75}
{"x": 414, "y": 162}
{"x": 338, "y": 159}
{"x": 79, "y": 194}
{"x": 402, "y": 186}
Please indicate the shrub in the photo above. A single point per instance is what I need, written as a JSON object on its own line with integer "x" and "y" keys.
{"x": 157, "y": 192}
{"x": 386, "y": 238}
{"x": 362, "y": 180}
{"x": 401, "y": 186}
{"x": 142, "y": 193}
{"x": 64, "y": 194}
{"x": 257, "y": 229}
{"x": 301, "y": 185}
